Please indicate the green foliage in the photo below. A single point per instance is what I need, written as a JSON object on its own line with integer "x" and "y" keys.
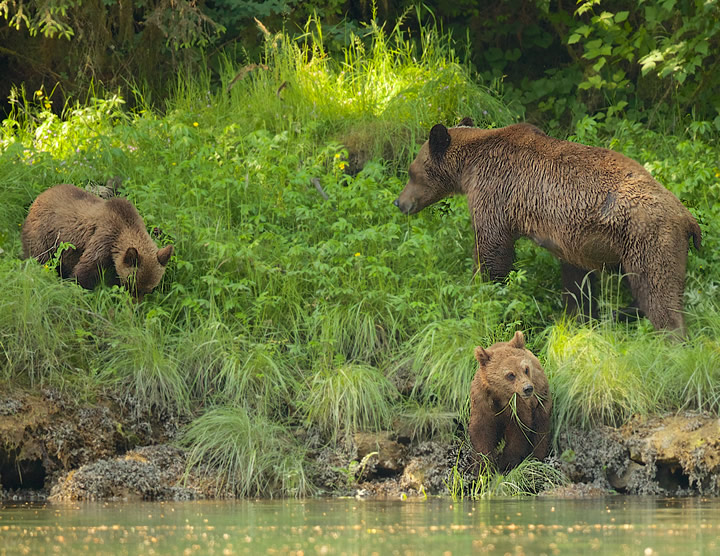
{"x": 380, "y": 99}
{"x": 672, "y": 42}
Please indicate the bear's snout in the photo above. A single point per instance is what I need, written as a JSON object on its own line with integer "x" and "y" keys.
{"x": 405, "y": 207}
{"x": 528, "y": 390}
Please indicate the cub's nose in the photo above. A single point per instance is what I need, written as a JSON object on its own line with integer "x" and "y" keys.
{"x": 396, "y": 202}
{"x": 528, "y": 390}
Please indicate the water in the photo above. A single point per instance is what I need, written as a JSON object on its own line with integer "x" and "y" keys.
{"x": 532, "y": 526}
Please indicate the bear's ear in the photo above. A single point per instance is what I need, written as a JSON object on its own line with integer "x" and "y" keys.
{"x": 131, "y": 257}
{"x": 164, "y": 254}
{"x": 467, "y": 121}
{"x": 482, "y": 355}
{"x": 439, "y": 141}
{"x": 518, "y": 340}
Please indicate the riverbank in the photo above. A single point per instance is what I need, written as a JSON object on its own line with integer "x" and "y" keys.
{"x": 59, "y": 450}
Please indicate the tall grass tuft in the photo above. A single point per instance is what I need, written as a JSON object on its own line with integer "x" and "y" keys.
{"x": 593, "y": 378}
{"x": 140, "y": 362}
{"x": 46, "y": 326}
{"x": 528, "y": 478}
{"x": 344, "y": 398}
{"x": 440, "y": 358}
{"x": 248, "y": 455}
{"x": 258, "y": 376}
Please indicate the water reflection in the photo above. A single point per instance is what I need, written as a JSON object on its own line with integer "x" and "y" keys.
{"x": 613, "y": 525}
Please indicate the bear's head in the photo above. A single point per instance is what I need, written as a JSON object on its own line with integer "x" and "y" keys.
{"x": 434, "y": 173}
{"x": 141, "y": 265}
{"x": 509, "y": 368}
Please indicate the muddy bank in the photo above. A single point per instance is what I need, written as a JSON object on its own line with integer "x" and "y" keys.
{"x": 52, "y": 447}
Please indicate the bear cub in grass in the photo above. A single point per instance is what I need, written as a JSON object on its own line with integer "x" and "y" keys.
{"x": 509, "y": 399}
{"x": 109, "y": 237}
{"x": 592, "y": 208}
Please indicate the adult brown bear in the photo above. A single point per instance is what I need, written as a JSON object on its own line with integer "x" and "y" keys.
{"x": 510, "y": 400}
{"x": 592, "y": 208}
{"x": 108, "y": 236}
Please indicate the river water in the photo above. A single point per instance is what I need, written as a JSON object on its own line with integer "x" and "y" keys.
{"x": 531, "y": 526}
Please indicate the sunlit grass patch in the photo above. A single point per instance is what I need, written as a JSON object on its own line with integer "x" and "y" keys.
{"x": 599, "y": 375}
{"x": 396, "y": 85}
{"x": 344, "y": 398}
{"x": 247, "y": 455}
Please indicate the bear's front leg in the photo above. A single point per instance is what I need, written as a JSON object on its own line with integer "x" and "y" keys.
{"x": 494, "y": 253}
{"x": 87, "y": 271}
{"x": 483, "y": 428}
{"x": 518, "y": 445}
{"x": 541, "y": 425}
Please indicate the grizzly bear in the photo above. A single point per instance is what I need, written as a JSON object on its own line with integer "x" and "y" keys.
{"x": 593, "y": 208}
{"x": 108, "y": 237}
{"x": 509, "y": 399}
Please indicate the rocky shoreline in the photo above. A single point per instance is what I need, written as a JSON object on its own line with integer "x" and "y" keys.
{"x": 51, "y": 448}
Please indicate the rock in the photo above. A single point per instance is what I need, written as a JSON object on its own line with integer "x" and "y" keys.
{"x": 620, "y": 480}
{"x": 674, "y": 454}
{"x": 390, "y": 453}
{"x": 148, "y": 473}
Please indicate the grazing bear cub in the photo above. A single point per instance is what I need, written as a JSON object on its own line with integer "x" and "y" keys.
{"x": 593, "y": 208}
{"x": 510, "y": 399}
{"x": 108, "y": 236}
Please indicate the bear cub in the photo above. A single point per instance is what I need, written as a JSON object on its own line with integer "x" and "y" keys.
{"x": 109, "y": 237}
{"x": 508, "y": 370}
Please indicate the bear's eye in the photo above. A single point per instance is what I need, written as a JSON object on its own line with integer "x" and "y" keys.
{"x": 510, "y": 376}
{"x": 527, "y": 370}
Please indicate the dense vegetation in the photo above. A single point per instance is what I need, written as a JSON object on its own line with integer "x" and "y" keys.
{"x": 299, "y": 296}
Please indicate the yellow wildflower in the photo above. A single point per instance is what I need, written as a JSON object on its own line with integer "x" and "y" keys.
{"x": 342, "y": 165}
{"x": 39, "y": 93}
{"x": 357, "y": 254}
{"x": 195, "y": 124}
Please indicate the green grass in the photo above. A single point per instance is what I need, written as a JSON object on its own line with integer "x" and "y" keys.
{"x": 344, "y": 398}
{"x": 483, "y": 480}
{"x": 282, "y": 309}
{"x": 246, "y": 455}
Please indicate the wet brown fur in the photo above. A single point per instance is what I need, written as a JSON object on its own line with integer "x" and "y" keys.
{"x": 505, "y": 369}
{"x": 591, "y": 207}
{"x": 109, "y": 236}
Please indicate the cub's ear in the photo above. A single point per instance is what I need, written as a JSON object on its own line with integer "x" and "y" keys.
{"x": 131, "y": 257}
{"x": 482, "y": 355}
{"x": 164, "y": 254}
{"x": 467, "y": 121}
{"x": 518, "y": 340}
{"x": 439, "y": 141}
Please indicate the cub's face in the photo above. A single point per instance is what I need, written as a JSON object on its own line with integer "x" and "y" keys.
{"x": 517, "y": 374}
{"x": 511, "y": 369}
{"x": 141, "y": 271}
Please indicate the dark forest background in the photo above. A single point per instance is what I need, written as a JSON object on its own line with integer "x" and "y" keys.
{"x": 558, "y": 60}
